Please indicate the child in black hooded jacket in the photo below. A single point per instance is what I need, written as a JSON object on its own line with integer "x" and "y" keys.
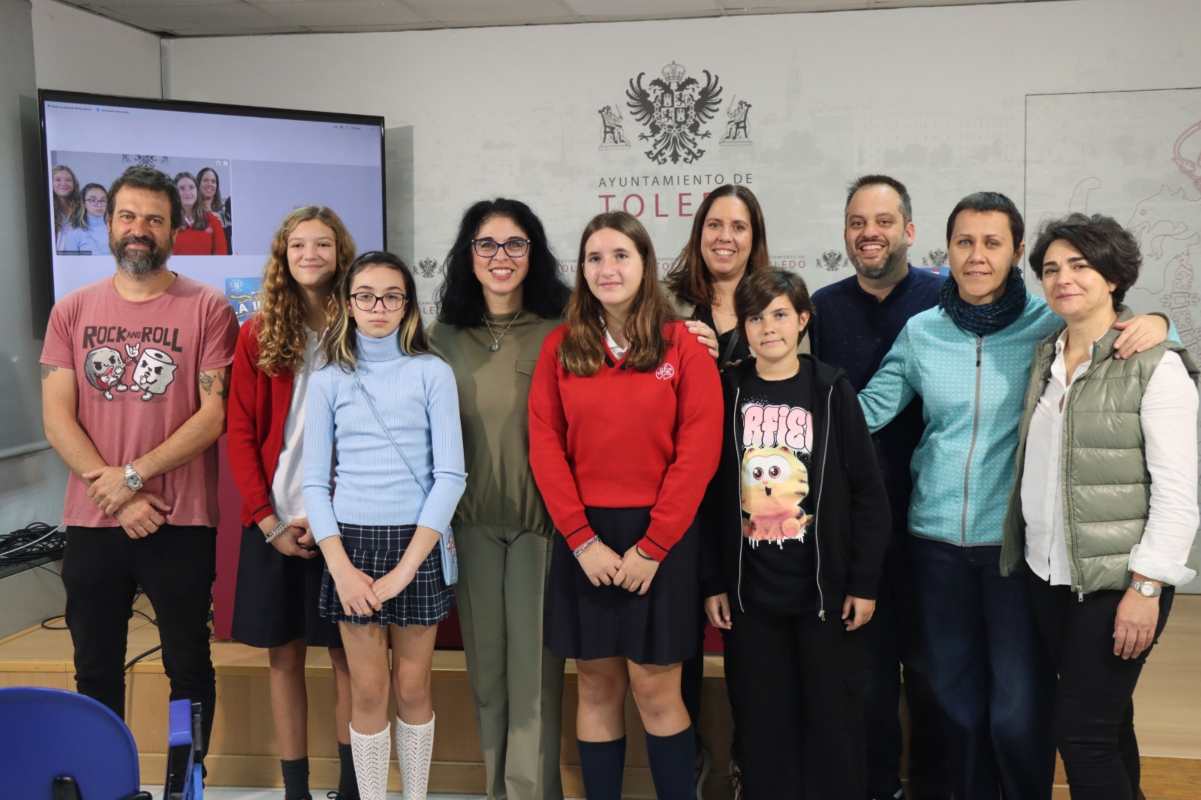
{"x": 795, "y": 528}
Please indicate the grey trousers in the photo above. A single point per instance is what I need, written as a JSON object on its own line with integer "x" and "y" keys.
{"x": 517, "y": 683}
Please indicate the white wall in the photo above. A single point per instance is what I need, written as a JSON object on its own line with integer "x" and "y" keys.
{"x": 933, "y": 95}
{"x": 81, "y": 52}
{"x": 937, "y": 94}
{"x": 31, "y": 485}
{"x": 53, "y": 46}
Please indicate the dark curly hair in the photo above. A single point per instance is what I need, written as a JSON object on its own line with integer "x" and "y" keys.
{"x": 461, "y": 297}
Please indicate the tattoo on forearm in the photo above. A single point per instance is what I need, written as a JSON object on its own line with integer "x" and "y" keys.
{"x": 47, "y": 370}
{"x": 218, "y": 381}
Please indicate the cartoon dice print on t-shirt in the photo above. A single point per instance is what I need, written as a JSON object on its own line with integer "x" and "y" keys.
{"x": 777, "y": 442}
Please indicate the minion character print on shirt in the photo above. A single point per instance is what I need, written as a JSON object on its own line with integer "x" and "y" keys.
{"x": 777, "y": 442}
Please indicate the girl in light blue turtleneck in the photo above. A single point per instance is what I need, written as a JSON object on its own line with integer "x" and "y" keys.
{"x": 92, "y": 239}
{"x": 385, "y": 414}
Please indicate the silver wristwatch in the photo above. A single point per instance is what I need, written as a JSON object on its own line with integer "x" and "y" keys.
{"x": 1147, "y": 588}
{"x": 133, "y": 481}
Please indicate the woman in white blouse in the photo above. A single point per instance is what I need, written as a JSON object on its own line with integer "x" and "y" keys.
{"x": 1104, "y": 508}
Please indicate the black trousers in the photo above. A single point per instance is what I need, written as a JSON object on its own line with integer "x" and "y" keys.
{"x": 796, "y": 688}
{"x": 892, "y": 641}
{"x": 1094, "y": 697}
{"x": 175, "y": 567}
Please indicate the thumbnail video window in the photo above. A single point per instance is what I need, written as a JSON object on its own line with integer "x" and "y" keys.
{"x": 79, "y": 184}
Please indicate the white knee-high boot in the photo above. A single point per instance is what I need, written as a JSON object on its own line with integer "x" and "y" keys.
{"x": 414, "y": 750}
{"x": 371, "y": 753}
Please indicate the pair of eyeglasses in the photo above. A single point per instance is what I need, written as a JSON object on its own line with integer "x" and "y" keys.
{"x": 96, "y": 201}
{"x": 367, "y": 301}
{"x": 489, "y": 247}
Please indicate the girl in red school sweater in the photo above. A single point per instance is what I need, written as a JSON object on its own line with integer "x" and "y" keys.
{"x": 279, "y": 568}
{"x": 625, "y": 432}
{"x": 202, "y": 233}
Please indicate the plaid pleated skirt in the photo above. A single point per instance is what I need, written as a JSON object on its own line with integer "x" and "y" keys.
{"x": 376, "y": 549}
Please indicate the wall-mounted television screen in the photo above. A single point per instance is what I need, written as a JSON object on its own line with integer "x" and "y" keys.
{"x": 240, "y": 170}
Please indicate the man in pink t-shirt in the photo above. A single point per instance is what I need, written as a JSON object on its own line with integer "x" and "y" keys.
{"x": 135, "y": 371}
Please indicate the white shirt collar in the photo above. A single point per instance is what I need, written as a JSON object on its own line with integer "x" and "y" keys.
{"x": 617, "y": 350}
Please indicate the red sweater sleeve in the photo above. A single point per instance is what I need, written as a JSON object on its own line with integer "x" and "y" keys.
{"x": 548, "y": 447}
{"x": 243, "y": 438}
{"x": 220, "y": 243}
{"x": 697, "y": 447}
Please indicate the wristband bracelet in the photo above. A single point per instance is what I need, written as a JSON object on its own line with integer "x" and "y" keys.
{"x": 279, "y": 528}
{"x": 579, "y": 551}
{"x": 638, "y": 550}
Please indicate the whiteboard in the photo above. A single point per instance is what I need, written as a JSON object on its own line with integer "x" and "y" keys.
{"x": 1135, "y": 156}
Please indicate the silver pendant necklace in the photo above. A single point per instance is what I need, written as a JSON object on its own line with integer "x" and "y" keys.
{"x": 498, "y": 338}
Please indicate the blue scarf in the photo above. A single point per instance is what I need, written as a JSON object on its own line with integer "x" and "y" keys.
{"x": 990, "y": 317}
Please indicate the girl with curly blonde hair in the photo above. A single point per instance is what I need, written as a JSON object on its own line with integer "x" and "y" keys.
{"x": 68, "y": 204}
{"x": 279, "y": 569}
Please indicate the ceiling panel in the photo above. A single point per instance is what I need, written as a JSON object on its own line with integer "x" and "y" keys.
{"x": 140, "y": 6}
{"x": 326, "y": 13}
{"x": 241, "y": 17}
{"x": 489, "y": 12}
{"x": 596, "y": 9}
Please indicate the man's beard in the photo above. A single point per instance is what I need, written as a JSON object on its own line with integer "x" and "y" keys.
{"x": 138, "y": 264}
{"x": 896, "y": 259}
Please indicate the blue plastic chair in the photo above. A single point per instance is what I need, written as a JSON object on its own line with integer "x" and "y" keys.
{"x": 47, "y": 733}
{"x": 185, "y": 774}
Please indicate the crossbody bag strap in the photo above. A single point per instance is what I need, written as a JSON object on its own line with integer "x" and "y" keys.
{"x": 375, "y": 413}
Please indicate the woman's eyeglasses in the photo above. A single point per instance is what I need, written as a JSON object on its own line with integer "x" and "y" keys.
{"x": 488, "y": 247}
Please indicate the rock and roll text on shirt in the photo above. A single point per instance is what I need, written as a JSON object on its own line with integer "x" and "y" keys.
{"x": 137, "y": 369}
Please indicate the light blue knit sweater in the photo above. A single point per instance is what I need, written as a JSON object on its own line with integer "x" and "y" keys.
{"x": 418, "y": 400}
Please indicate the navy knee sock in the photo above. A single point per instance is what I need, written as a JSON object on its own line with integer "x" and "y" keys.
{"x": 602, "y": 765}
{"x": 672, "y": 761}
{"x": 296, "y": 778}
{"x": 348, "y": 785}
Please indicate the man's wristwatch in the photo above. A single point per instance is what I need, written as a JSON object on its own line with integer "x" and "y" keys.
{"x": 1147, "y": 588}
{"x": 133, "y": 481}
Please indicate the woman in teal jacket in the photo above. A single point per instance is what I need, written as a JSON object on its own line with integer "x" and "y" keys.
{"x": 968, "y": 359}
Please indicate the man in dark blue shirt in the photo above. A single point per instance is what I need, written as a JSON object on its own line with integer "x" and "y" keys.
{"x": 856, "y": 321}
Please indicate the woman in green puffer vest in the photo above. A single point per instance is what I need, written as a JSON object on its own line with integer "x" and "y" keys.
{"x": 1104, "y": 509}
